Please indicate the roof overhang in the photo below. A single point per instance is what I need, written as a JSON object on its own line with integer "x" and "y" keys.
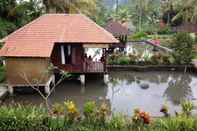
{"x": 96, "y": 45}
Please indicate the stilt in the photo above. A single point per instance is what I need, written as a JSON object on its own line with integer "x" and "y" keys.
{"x": 47, "y": 89}
{"x": 83, "y": 89}
{"x": 11, "y": 90}
{"x": 106, "y": 78}
{"x": 53, "y": 80}
{"x": 82, "y": 79}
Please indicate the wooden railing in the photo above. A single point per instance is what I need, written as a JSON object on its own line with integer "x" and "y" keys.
{"x": 93, "y": 67}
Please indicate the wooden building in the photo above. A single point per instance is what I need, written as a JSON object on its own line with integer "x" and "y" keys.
{"x": 120, "y": 32}
{"x": 57, "y": 39}
{"x": 186, "y": 27}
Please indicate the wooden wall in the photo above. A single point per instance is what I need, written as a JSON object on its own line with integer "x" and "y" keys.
{"x": 33, "y": 68}
{"x": 186, "y": 27}
{"x": 77, "y": 64}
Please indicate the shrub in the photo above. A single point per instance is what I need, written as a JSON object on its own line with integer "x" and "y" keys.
{"x": 89, "y": 111}
{"x": 161, "y": 59}
{"x": 165, "y": 30}
{"x": 182, "y": 48}
{"x": 58, "y": 109}
{"x": 112, "y": 59}
{"x": 20, "y": 118}
{"x": 123, "y": 60}
{"x": 132, "y": 59}
{"x": 72, "y": 112}
{"x": 138, "y": 36}
{"x": 187, "y": 107}
{"x": 34, "y": 118}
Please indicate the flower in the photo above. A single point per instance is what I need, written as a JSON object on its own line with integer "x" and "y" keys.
{"x": 71, "y": 108}
{"x": 141, "y": 116}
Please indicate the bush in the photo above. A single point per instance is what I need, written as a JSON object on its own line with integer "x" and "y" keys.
{"x": 123, "y": 60}
{"x": 165, "y": 30}
{"x": 182, "y": 45}
{"x": 20, "y": 118}
{"x": 32, "y": 118}
{"x": 138, "y": 36}
{"x": 118, "y": 59}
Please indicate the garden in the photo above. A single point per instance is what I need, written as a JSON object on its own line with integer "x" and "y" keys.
{"x": 146, "y": 17}
{"x": 66, "y": 116}
{"x": 182, "y": 45}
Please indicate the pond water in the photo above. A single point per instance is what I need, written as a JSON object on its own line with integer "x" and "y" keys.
{"x": 126, "y": 91}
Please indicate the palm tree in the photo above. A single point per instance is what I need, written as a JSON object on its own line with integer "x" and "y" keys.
{"x": 185, "y": 9}
{"x": 188, "y": 10}
{"x": 143, "y": 11}
{"x": 70, "y": 6}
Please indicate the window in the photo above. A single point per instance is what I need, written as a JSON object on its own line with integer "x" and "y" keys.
{"x": 66, "y": 52}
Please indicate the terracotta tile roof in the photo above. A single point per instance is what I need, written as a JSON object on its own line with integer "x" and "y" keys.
{"x": 37, "y": 38}
{"x": 116, "y": 28}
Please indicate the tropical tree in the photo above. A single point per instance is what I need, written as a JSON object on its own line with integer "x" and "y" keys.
{"x": 122, "y": 14}
{"x": 187, "y": 10}
{"x": 102, "y": 14}
{"x": 70, "y": 6}
{"x": 180, "y": 10}
{"x": 14, "y": 14}
{"x": 144, "y": 12}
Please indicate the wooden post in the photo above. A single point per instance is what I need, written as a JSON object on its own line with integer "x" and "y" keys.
{"x": 82, "y": 79}
{"x": 106, "y": 78}
{"x": 11, "y": 89}
{"x": 47, "y": 89}
{"x": 105, "y": 61}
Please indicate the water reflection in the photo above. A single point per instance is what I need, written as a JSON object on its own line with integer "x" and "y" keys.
{"x": 126, "y": 91}
{"x": 179, "y": 89}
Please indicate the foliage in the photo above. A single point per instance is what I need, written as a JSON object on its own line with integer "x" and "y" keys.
{"x": 123, "y": 14}
{"x": 182, "y": 45}
{"x": 67, "y": 6}
{"x": 14, "y": 14}
{"x": 187, "y": 107}
{"x": 141, "y": 117}
{"x": 183, "y": 10}
{"x": 145, "y": 59}
{"x": 144, "y": 11}
{"x": 72, "y": 112}
{"x": 58, "y": 109}
{"x": 138, "y": 36}
{"x": 89, "y": 111}
{"x": 165, "y": 30}
{"x": 20, "y": 117}
{"x": 34, "y": 118}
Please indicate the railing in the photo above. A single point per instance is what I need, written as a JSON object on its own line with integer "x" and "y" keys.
{"x": 93, "y": 67}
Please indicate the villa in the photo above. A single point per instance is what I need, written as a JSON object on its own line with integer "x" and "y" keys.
{"x": 57, "y": 39}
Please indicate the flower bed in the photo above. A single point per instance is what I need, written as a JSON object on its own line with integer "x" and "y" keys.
{"x": 66, "y": 117}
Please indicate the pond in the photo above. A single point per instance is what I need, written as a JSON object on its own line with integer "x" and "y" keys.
{"x": 126, "y": 91}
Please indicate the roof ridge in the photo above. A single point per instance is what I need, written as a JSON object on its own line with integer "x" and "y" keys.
{"x": 107, "y": 33}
